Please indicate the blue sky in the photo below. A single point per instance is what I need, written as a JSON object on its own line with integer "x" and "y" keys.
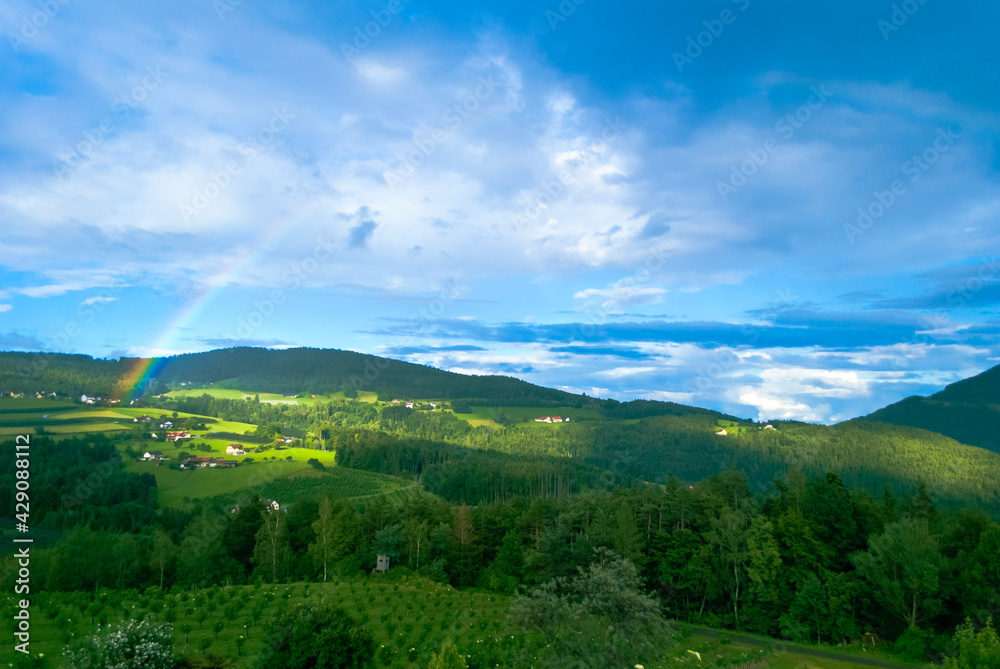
{"x": 777, "y": 211}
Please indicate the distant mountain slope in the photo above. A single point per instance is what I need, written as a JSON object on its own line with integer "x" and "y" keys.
{"x": 67, "y": 375}
{"x": 864, "y": 454}
{"x": 967, "y": 411}
{"x": 328, "y": 370}
{"x": 304, "y": 370}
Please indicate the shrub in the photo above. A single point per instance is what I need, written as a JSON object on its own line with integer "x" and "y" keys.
{"x": 137, "y": 643}
{"x": 320, "y": 636}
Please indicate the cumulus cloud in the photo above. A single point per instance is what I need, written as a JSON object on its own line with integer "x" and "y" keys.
{"x": 545, "y": 180}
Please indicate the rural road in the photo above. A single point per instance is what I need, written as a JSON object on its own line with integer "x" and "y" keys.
{"x": 803, "y": 650}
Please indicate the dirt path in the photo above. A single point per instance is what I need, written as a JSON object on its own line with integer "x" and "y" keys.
{"x": 803, "y": 650}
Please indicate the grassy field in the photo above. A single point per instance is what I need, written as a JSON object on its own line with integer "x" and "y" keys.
{"x": 525, "y": 416}
{"x": 13, "y": 404}
{"x": 788, "y": 655}
{"x": 20, "y": 416}
{"x": 732, "y": 427}
{"x": 270, "y": 398}
{"x": 23, "y": 415}
{"x": 280, "y": 479}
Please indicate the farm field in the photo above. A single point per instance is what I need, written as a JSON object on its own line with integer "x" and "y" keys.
{"x": 20, "y": 415}
{"x": 23, "y": 415}
{"x": 14, "y": 404}
{"x": 72, "y": 419}
{"x": 280, "y": 479}
{"x": 409, "y": 616}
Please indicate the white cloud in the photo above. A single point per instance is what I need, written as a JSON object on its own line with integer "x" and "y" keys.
{"x": 668, "y": 396}
{"x": 378, "y": 73}
{"x": 621, "y": 372}
{"x": 777, "y": 406}
{"x": 5, "y": 307}
{"x": 621, "y": 293}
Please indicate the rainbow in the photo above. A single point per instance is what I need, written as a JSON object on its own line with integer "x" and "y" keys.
{"x": 145, "y": 370}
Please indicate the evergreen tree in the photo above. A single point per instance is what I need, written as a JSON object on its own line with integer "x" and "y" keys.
{"x": 627, "y": 540}
{"x": 507, "y": 571}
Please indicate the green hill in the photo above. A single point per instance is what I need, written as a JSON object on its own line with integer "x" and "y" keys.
{"x": 967, "y": 411}
{"x": 298, "y": 371}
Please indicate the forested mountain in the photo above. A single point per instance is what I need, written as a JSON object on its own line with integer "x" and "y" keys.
{"x": 967, "y": 411}
{"x": 67, "y": 375}
{"x": 302, "y": 370}
{"x": 324, "y": 370}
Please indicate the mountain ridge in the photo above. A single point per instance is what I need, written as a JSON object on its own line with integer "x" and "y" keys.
{"x": 302, "y": 370}
{"x": 968, "y": 411}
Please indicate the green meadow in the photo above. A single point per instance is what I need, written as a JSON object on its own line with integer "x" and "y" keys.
{"x": 282, "y": 480}
{"x": 271, "y": 398}
{"x": 525, "y": 416}
{"x": 23, "y": 415}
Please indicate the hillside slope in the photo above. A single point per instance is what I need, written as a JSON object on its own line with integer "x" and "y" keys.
{"x": 968, "y": 411}
{"x": 302, "y": 370}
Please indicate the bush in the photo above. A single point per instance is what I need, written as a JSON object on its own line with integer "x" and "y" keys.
{"x": 912, "y": 644}
{"x": 320, "y": 636}
{"x": 137, "y": 643}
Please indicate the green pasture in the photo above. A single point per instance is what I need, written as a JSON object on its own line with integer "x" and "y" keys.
{"x": 15, "y": 404}
{"x": 271, "y": 398}
{"x": 64, "y": 419}
{"x": 174, "y": 485}
{"x": 525, "y": 416}
{"x": 222, "y": 393}
{"x": 363, "y": 396}
{"x": 64, "y": 429}
{"x": 732, "y": 427}
{"x": 270, "y": 475}
{"x": 338, "y": 483}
